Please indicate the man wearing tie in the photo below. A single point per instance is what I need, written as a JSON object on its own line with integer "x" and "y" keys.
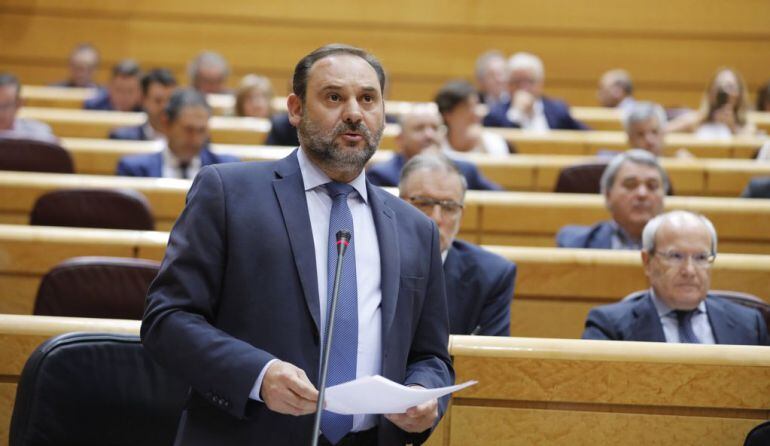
{"x": 185, "y": 121}
{"x": 240, "y": 303}
{"x": 678, "y": 249}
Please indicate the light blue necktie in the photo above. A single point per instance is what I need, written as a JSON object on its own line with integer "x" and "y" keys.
{"x": 344, "y": 348}
{"x": 686, "y": 334}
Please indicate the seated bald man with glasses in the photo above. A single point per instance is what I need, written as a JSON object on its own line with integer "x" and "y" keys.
{"x": 678, "y": 250}
{"x": 479, "y": 284}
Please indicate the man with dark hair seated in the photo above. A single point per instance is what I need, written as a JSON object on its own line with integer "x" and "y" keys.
{"x": 11, "y": 126}
{"x": 186, "y": 125}
{"x": 633, "y": 185}
{"x": 421, "y": 131}
{"x": 123, "y": 92}
{"x": 678, "y": 250}
{"x": 479, "y": 284}
{"x": 157, "y": 86}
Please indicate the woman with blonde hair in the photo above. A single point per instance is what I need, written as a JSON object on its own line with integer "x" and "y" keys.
{"x": 254, "y": 97}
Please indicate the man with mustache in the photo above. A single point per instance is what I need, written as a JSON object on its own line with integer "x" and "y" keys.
{"x": 633, "y": 185}
{"x": 678, "y": 251}
{"x": 240, "y": 304}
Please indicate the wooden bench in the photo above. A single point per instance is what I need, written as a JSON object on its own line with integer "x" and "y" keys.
{"x": 555, "y": 288}
{"x": 709, "y": 177}
{"x": 497, "y": 218}
{"x": 568, "y": 392}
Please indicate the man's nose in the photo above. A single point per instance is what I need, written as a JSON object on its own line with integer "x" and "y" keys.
{"x": 352, "y": 111}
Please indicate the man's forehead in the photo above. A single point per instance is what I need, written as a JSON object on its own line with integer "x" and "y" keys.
{"x": 419, "y": 119}
{"x": 341, "y": 70}
{"x": 689, "y": 232}
{"x": 635, "y": 170}
{"x": 434, "y": 183}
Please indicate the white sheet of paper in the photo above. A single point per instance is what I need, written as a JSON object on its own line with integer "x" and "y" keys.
{"x": 378, "y": 395}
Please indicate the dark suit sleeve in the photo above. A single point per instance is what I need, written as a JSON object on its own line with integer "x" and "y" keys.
{"x": 495, "y": 319}
{"x": 124, "y": 169}
{"x": 182, "y": 304}
{"x": 598, "y": 326}
{"x": 762, "y": 330}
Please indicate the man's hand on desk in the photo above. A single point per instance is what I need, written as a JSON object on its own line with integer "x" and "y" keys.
{"x": 286, "y": 389}
{"x": 418, "y": 418}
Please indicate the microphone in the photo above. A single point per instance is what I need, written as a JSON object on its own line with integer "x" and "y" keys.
{"x": 343, "y": 241}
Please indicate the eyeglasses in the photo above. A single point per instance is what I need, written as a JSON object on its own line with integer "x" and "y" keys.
{"x": 449, "y": 208}
{"x": 676, "y": 258}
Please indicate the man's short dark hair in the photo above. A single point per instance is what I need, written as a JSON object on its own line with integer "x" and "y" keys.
{"x": 452, "y": 94}
{"x": 157, "y": 76}
{"x": 299, "y": 82}
{"x": 9, "y": 79}
{"x": 183, "y": 98}
{"x": 126, "y": 68}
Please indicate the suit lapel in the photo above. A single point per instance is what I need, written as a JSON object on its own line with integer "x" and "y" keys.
{"x": 458, "y": 297}
{"x": 390, "y": 257}
{"x": 156, "y": 168}
{"x": 290, "y": 192}
{"x": 722, "y": 325}
{"x": 646, "y": 325}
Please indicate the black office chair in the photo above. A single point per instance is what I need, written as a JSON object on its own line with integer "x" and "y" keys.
{"x": 93, "y": 208}
{"x": 34, "y": 156}
{"x": 89, "y": 389}
{"x": 581, "y": 178}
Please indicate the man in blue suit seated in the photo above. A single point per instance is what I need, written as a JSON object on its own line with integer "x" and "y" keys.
{"x": 633, "y": 185}
{"x": 758, "y": 187}
{"x": 157, "y": 86}
{"x": 479, "y": 284}
{"x": 421, "y": 131}
{"x": 186, "y": 125}
{"x": 527, "y": 108}
{"x": 240, "y": 304}
{"x": 679, "y": 250}
{"x": 123, "y": 92}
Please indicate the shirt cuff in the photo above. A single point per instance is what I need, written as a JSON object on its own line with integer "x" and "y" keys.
{"x": 258, "y": 384}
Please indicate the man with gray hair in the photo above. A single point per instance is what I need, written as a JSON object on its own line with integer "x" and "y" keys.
{"x": 679, "y": 249}
{"x": 633, "y": 185}
{"x": 185, "y": 123}
{"x": 479, "y": 284}
{"x": 527, "y": 108}
{"x": 616, "y": 90}
{"x": 208, "y": 73}
{"x": 11, "y": 126}
{"x": 644, "y": 124}
{"x": 492, "y": 78}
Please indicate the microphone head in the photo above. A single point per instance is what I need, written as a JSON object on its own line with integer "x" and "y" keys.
{"x": 344, "y": 235}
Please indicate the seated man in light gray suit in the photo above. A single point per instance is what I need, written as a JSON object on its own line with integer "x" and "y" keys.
{"x": 679, "y": 248}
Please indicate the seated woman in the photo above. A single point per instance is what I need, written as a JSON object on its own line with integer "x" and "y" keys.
{"x": 458, "y": 102}
{"x": 254, "y": 97}
{"x": 722, "y": 113}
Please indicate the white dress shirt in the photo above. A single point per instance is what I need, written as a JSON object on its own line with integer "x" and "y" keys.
{"x": 700, "y": 322}
{"x": 536, "y": 122}
{"x": 171, "y": 169}
{"x": 368, "y": 274}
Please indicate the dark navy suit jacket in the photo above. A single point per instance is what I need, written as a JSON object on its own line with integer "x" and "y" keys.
{"x": 479, "y": 290}
{"x": 598, "y": 236}
{"x": 102, "y": 102}
{"x": 133, "y": 133}
{"x": 238, "y": 288}
{"x": 637, "y": 320}
{"x": 386, "y": 174}
{"x": 151, "y": 165}
{"x": 757, "y": 188}
{"x": 556, "y": 114}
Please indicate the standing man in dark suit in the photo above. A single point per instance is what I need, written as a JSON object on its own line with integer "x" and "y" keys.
{"x": 479, "y": 284}
{"x": 238, "y": 305}
{"x": 679, "y": 249}
{"x": 421, "y": 131}
{"x": 527, "y": 108}
{"x": 157, "y": 86}
{"x": 186, "y": 124}
{"x": 633, "y": 184}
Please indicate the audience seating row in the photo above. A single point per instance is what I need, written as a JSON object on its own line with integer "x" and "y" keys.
{"x": 555, "y": 288}
{"x": 536, "y": 391}
{"x": 496, "y": 218}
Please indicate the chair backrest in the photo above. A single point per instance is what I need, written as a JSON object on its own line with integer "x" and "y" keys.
{"x": 93, "y": 208}
{"x": 104, "y": 287}
{"x": 34, "y": 156}
{"x": 95, "y": 389}
{"x": 581, "y": 178}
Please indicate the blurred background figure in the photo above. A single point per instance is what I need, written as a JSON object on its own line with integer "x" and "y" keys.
{"x": 722, "y": 113}
{"x": 123, "y": 93}
{"x": 157, "y": 87}
{"x": 616, "y": 90}
{"x": 763, "y": 97}
{"x": 83, "y": 63}
{"x": 254, "y": 97}
{"x": 208, "y": 73}
{"x": 12, "y": 127}
{"x": 492, "y": 78}
{"x": 458, "y": 105}
{"x": 645, "y": 125}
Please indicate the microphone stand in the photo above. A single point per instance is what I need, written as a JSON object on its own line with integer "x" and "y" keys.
{"x": 343, "y": 239}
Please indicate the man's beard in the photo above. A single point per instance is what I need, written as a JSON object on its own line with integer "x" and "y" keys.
{"x": 324, "y": 149}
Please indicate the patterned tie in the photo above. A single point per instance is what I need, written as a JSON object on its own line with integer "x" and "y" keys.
{"x": 686, "y": 334}
{"x": 344, "y": 348}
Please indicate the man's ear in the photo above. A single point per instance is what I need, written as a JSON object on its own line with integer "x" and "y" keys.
{"x": 646, "y": 259}
{"x": 294, "y": 105}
